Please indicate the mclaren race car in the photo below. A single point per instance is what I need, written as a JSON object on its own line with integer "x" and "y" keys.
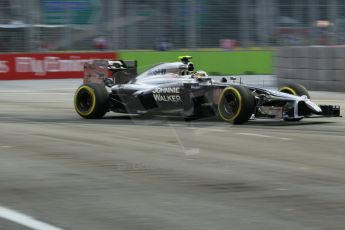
{"x": 175, "y": 88}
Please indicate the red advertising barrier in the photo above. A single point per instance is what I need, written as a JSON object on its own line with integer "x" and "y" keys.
{"x": 47, "y": 65}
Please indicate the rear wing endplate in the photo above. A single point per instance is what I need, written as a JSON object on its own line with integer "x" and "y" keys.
{"x": 98, "y": 71}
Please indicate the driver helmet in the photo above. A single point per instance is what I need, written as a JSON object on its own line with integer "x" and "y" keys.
{"x": 201, "y": 73}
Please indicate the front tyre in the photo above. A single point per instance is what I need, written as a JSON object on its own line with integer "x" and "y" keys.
{"x": 236, "y": 104}
{"x": 91, "y": 101}
{"x": 295, "y": 89}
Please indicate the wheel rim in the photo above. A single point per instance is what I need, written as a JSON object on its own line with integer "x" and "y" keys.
{"x": 288, "y": 90}
{"x": 85, "y": 101}
{"x": 230, "y": 104}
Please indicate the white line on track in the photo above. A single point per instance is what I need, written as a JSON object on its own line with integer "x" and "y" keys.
{"x": 264, "y": 136}
{"x": 25, "y": 220}
{"x": 254, "y": 134}
{"x": 200, "y": 131}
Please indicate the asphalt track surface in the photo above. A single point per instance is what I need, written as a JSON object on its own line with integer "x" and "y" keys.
{"x": 164, "y": 173}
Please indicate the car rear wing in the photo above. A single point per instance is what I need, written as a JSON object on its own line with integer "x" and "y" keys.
{"x": 103, "y": 71}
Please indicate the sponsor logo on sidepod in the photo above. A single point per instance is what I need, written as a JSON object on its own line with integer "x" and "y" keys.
{"x": 169, "y": 94}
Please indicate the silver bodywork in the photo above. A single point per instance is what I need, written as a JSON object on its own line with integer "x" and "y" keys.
{"x": 176, "y": 86}
{"x": 177, "y": 74}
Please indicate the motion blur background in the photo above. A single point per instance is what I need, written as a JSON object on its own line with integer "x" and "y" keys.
{"x": 42, "y": 25}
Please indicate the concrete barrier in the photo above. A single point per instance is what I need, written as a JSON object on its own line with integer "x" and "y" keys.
{"x": 316, "y": 67}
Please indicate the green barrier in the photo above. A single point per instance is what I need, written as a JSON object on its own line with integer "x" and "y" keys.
{"x": 213, "y": 62}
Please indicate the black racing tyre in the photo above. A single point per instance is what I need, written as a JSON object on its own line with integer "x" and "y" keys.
{"x": 294, "y": 89}
{"x": 236, "y": 104}
{"x": 91, "y": 101}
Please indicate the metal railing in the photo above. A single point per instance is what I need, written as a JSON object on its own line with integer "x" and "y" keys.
{"x": 40, "y": 25}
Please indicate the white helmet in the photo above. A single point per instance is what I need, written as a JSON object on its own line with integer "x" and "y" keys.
{"x": 201, "y": 73}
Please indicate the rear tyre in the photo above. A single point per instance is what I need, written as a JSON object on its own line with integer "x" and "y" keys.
{"x": 91, "y": 101}
{"x": 236, "y": 104}
{"x": 295, "y": 89}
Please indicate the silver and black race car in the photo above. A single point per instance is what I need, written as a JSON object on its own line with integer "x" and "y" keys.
{"x": 175, "y": 88}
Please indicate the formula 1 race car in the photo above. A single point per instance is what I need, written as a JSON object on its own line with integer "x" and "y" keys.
{"x": 177, "y": 89}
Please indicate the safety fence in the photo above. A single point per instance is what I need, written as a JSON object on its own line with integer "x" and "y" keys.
{"x": 50, "y": 25}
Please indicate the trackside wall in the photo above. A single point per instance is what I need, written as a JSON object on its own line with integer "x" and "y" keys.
{"x": 316, "y": 67}
{"x": 19, "y": 66}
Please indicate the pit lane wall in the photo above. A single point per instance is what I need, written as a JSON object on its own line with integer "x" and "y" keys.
{"x": 319, "y": 68}
{"x": 20, "y": 66}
